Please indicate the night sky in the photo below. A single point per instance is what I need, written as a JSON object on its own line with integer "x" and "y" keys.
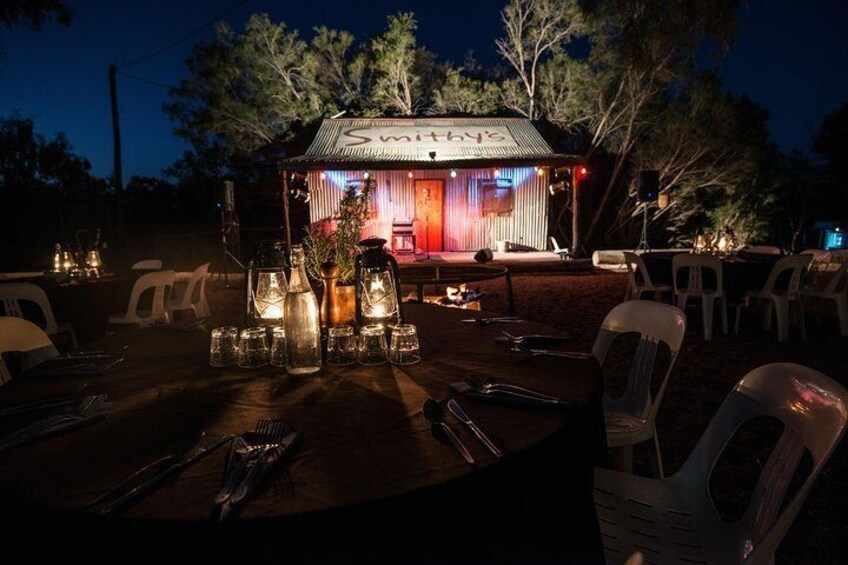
{"x": 790, "y": 57}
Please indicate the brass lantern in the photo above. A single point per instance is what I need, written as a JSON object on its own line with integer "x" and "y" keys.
{"x": 266, "y": 286}
{"x": 377, "y": 285}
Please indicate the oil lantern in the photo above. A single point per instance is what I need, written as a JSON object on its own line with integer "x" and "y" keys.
{"x": 377, "y": 285}
{"x": 265, "y": 283}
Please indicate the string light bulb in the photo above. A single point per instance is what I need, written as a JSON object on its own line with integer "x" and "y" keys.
{"x": 453, "y": 173}
{"x": 497, "y": 173}
{"x": 409, "y": 174}
{"x": 366, "y": 176}
{"x": 323, "y": 175}
{"x": 539, "y": 171}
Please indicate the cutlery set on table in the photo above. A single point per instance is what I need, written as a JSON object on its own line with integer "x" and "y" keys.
{"x": 252, "y": 456}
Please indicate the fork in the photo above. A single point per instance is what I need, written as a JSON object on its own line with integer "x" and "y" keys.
{"x": 261, "y": 438}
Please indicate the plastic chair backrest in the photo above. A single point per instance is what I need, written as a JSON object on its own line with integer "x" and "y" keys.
{"x": 839, "y": 280}
{"x": 813, "y": 409}
{"x": 12, "y": 294}
{"x": 19, "y": 335}
{"x": 161, "y": 282}
{"x": 655, "y": 322}
{"x": 795, "y": 263}
{"x": 555, "y": 246}
{"x": 696, "y": 263}
{"x": 197, "y": 277}
{"x": 635, "y": 265}
{"x": 147, "y": 265}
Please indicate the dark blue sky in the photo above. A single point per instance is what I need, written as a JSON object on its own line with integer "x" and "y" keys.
{"x": 791, "y": 57}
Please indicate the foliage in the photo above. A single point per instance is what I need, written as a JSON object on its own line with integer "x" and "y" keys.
{"x": 396, "y": 88}
{"x": 338, "y": 242}
{"x": 535, "y": 29}
{"x": 34, "y": 13}
{"x": 460, "y": 94}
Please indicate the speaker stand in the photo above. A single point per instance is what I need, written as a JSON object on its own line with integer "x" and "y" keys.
{"x": 643, "y": 242}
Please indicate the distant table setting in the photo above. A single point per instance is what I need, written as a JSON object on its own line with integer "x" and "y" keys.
{"x": 740, "y": 274}
{"x": 447, "y": 439}
{"x": 85, "y": 303}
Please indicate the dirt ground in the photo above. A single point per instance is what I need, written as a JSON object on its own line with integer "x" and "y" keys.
{"x": 705, "y": 372}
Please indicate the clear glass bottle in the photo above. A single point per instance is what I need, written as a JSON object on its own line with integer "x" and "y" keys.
{"x": 301, "y": 320}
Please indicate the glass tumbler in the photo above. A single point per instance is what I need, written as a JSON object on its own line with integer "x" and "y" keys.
{"x": 404, "y": 349}
{"x": 372, "y": 345}
{"x": 341, "y": 346}
{"x": 223, "y": 347}
{"x": 253, "y": 347}
{"x": 278, "y": 346}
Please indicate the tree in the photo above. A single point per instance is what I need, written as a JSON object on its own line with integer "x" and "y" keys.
{"x": 396, "y": 87}
{"x": 641, "y": 54}
{"x": 250, "y": 89}
{"x": 342, "y": 71}
{"x": 34, "y": 13}
{"x": 535, "y": 29}
{"x": 460, "y": 94}
{"x": 831, "y": 142}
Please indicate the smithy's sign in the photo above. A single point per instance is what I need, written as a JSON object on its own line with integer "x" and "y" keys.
{"x": 427, "y": 138}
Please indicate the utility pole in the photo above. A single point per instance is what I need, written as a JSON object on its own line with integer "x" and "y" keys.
{"x": 118, "y": 171}
{"x": 576, "y": 244}
{"x": 286, "y": 217}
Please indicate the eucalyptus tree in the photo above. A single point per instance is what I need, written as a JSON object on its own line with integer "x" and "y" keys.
{"x": 396, "y": 86}
{"x": 460, "y": 94}
{"x": 535, "y": 30}
{"x": 248, "y": 89}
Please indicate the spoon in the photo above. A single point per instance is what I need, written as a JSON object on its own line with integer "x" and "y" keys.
{"x": 434, "y": 412}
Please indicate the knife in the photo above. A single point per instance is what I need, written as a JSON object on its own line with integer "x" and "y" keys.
{"x": 202, "y": 448}
{"x": 460, "y": 414}
{"x": 44, "y": 403}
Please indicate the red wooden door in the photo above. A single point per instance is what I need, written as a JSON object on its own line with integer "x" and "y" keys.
{"x": 429, "y": 214}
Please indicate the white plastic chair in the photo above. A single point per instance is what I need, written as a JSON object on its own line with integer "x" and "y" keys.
{"x": 19, "y": 335}
{"x": 200, "y": 307}
{"x": 675, "y": 521}
{"x": 12, "y": 294}
{"x": 147, "y": 265}
{"x": 782, "y": 300}
{"x": 161, "y": 282}
{"x": 630, "y": 418}
{"x": 639, "y": 280}
{"x": 562, "y": 252}
{"x": 695, "y": 264}
{"x": 836, "y": 290}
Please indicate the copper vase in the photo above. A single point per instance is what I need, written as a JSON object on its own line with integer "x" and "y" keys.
{"x": 338, "y": 301}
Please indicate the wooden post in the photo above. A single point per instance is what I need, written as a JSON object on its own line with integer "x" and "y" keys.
{"x": 576, "y": 244}
{"x": 118, "y": 179}
{"x": 286, "y": 218}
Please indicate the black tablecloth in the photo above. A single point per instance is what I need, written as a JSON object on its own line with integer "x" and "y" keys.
{"x": 740, "y": 275}
{"x": 367, "y": 480}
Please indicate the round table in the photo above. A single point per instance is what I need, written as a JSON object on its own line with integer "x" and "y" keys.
{"x": 438, "y": 275}
{"x": 740, "y": 275}
{"x": 368, "y": 478}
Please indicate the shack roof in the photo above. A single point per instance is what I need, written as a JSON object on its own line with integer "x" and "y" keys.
{"x": 427, "y": 143}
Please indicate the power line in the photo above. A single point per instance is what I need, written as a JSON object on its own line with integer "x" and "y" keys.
{"x": 187, "y": 36}
{"x": 145, "y": 80}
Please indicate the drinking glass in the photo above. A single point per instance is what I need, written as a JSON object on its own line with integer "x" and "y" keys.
{"x": 253, "y": 347}
{"x": 404, "y": 349}
{"x": 372, "y": 345}
{"x": 278, "y": 346}
{"x": 223, "y": 347}
{"x": 341, "y": 346}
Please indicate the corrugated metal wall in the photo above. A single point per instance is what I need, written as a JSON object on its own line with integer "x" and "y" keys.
{"x": 464, "y": 228}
